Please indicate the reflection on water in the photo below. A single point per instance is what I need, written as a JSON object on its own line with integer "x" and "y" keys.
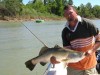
{"x": 17, "y": 44}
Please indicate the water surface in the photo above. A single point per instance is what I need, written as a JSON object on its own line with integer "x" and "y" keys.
{"x": 17, "y": 44}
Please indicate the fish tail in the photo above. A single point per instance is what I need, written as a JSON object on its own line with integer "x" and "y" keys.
{"x": 29, "y": 65}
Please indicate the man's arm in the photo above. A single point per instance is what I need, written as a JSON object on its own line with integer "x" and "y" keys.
{"x": 96, "y": 45}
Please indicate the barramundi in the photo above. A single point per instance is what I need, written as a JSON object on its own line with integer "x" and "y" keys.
{"x": 61, "y": 54}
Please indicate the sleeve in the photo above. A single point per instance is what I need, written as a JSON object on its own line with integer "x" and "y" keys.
{"x": 97, "y": 37}
{"x": 94, "y": 31}
{"x": 64, "y": 39}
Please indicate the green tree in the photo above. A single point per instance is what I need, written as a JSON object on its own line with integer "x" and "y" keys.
{"x": 59, "y": 7}
{"x": 81, "y": 10}
{"x": 20, "y": 1}
{"x": 70, "y": 2}
{"x": 34, "y": 1}
{"x": 89, "y": 6}
{"x": 88, "y": 10}
{"x": 52, "y": 7}
{"x": 65, "y": 2}
{"x": 39, "y": 6}
{"x": 96, "y": 11}
{"x": 45, "y": 2}
{"x": 14, "y": 6}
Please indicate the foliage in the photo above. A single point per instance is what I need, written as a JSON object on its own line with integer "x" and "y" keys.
{"x": 96, "y": 11}
{"x": 70, "y": 2}
{"x": 37, "y": 8}
{"x": 14, "y": 6}
{"x": 89, "y": 11}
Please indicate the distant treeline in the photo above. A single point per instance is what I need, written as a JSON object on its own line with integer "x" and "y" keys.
{"x": 44, "y": 8}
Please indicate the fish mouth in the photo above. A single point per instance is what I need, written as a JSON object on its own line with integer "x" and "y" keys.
{"x": 29, "y": 65}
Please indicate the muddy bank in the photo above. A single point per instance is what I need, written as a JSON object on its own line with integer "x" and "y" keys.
{"x": 30, "y": 19}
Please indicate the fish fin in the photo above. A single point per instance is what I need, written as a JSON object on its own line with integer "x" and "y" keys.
{"x": 29, "y": 65}
{"x": 43, "y": 50}
{"x": 57, "y": 46}
{"x": 43, "y": 64}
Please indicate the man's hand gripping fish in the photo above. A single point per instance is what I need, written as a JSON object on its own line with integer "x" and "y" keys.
{"x": 61, "y": 54}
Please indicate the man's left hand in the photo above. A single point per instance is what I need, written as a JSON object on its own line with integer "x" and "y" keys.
{"x": 88, "y": 53}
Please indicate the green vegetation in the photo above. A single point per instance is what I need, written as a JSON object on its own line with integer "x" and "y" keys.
{"x": 44, "y": 9}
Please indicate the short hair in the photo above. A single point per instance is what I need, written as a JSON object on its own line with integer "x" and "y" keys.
{"x": 66, "y": 7}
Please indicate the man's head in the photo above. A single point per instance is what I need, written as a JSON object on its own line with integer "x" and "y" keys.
{"x": 70, "y": 13}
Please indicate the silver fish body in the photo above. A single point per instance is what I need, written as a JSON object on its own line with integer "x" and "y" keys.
{"x": 61, "y": 55}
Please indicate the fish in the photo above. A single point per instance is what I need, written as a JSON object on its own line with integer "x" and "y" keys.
{"x": 61, "y": 54}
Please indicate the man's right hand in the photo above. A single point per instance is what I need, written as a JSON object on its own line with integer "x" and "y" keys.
{"x": 53, "y": 60}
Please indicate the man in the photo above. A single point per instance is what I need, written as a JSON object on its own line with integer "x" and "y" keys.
{"x": 80, "y": 34}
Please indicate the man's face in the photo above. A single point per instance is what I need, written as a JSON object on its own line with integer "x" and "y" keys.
{"x": 70, "y": 14}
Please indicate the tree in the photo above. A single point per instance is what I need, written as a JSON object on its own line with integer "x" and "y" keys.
{"x": 39, "y": 6}
{"x": 88, "y": 9}
{"x": 65, "y": 2}
{"x": 89, "y": 6}
{"x": 45, "y": 2}
{"x": 14, "y": 6}
{"x": 96, "y": 11}
{"x": 70, "y": 2}
{"x": 59, "y": 7}
{"x": 34, "y": 1}
{"x": 20, "y": 1}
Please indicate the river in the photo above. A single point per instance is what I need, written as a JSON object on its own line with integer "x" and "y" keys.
{"x": 17, "y": 44}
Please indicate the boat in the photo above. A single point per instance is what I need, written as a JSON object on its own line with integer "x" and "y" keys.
{"x": 39, "y": 21}
{"x": 56, "y": 69}
{"x": 98, "y": 61}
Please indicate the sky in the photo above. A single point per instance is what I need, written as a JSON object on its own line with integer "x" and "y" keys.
{"x": 77, "y": 2}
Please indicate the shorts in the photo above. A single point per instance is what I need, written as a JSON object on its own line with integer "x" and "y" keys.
{"x": 71, "y": 71}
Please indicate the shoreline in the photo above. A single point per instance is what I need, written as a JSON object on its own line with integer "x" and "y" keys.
{"x": 16, "y": 19}
{"x": 34, "y": 19}
{"x": 31, "y": 20}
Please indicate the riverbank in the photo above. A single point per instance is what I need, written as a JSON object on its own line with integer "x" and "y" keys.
{"x": 29, "y": 18}
{"x": 45, "y": 19}
{"x": 13, "y": 19}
